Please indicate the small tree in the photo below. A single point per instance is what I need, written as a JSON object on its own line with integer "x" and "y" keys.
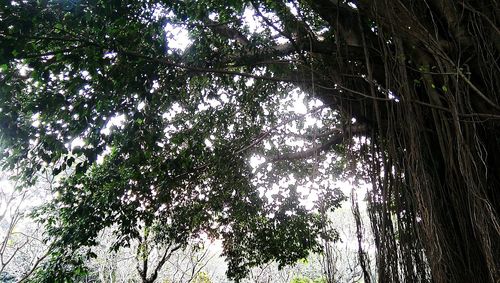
{"x": 201, "y": 277}
{"x": 22, "y": 247}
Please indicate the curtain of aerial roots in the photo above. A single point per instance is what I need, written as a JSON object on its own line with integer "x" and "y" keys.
{"x": 434, "y": 202}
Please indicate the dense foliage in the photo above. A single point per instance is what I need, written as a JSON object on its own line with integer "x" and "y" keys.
{"x": 176, "y": 162}
{"x": 157, "y": 138}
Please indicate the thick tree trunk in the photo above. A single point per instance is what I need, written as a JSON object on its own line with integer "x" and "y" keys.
{"x": 437, "y": 148}
{"x": 453, "y": 237}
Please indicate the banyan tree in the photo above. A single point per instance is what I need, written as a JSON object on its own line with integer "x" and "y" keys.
{"x": 420, "y": 78}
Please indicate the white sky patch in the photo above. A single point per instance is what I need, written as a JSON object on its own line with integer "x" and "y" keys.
{"x": 250, "y": 20}
{"x": 86, "y": 75}
{"x": 77, "y": 142}
{"x": 117, "y": 120}
{"x": 311, "y": 121}
{"x": 203, "y": 107}
{"x": 174, "y": 110}
{"x": 299, "y": 106}
{"x": 24, "y": 200}
{"x": 352, "y": 5}
{"x": 249, "y": 82}
{"x": 6, "y": 186}
{"x": 213, "y": 17}
{"x": 156, "y": 85}
{"x": 282, "y": 40}
{"x": 177, "y": 37}
{"x": 209, "y": 144}
{"x": 344, "y": 186}
{"x": 269, "y": 192}
{"x": 110, "y": 55}
{"x": 298, "y": 143}
{"x": 23, "y": 69}
{"x": 256, "y": 161}
{"x": 292, "y": 8}
{"x": 35, "y": 120}
{"x": 254, "y": 23}
{"x": 100, "y": 158}
{"x": 392, "y": 96}
{"x": 311, "y": 196}
{"x": 141, "y": 105}
{"x": 209, "y": 103}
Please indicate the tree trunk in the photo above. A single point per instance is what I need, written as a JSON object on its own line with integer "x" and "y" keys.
{"x": 433, "y": 160}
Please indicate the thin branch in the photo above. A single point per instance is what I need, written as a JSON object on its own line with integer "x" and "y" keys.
{"x": 284, "y": 34}
{"x": 167, "y": 62}
{"x": 309, "y": 152}
{"x": 339, "y": 87}
{"x": 265, "y": 134}
{"x": 464, "y": 115}
{"x": 16, "y": 250}
{"x": 35, "y": 265}
{"x": 256, "y": 140}
{"x": 493, "y": 25}
{"x": 162, "y": 261}
{"x": 51, "y": 53}
{"x": 484, "y": 97}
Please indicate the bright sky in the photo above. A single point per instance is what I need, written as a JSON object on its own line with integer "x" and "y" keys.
{"x": 6, "y": 186}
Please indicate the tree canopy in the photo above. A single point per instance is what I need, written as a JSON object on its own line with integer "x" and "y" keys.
{"x": 157, "y": 138}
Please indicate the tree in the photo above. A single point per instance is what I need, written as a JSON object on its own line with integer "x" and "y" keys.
{"x": 190, "y": 265}
{"x": 350, "y": 259}
{"x": 419, "y": 77}
{"x": 127, "y": 263}
{"x": 22, "y": 247}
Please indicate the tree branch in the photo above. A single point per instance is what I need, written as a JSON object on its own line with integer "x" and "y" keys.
{"x": 35, "y": 265}
{"x": 338, "y": 139}
{"x": 309, "y": 152}
{"x": 162, "y": 261}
